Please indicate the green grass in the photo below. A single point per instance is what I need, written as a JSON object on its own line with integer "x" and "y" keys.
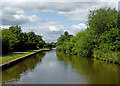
{"x": 11, "y": 57}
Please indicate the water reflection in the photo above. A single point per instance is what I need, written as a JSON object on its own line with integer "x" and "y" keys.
{"x": 59, "y": 68}
{"x": 14, "y": 73}
{"x": 97, "y": 72}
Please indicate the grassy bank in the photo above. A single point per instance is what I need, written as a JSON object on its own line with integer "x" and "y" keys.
{"x": 11, "y": 57}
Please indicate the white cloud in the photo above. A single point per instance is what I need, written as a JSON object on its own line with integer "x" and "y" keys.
{"x": 73, "y": 29}
{"x": 73, "y": 11}
{"x": 33, "y": 18}
{"x": 49, "y": 30}
{"x": 119, "y": 6}
{"x": 11, "y": 16}
{"x": 6, "y": 27}
{"x": 19, "y": 17}
{"x": 81, "y": 26}
{"x": 20, "y": 12}
{"x": 60, "y": 0}
{"x": 76, "y": 15}
{"x": 54, "y": 28}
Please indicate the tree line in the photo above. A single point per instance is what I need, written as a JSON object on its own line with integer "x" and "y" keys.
{"x": 13, "y": 39}
{"x": 101, "y": 39}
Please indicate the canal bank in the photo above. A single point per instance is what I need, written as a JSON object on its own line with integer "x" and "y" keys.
{"x": 99, "y": 59}
{"x": 14, "y": 61}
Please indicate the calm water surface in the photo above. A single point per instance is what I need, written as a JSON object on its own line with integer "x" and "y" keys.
{"x": 58, "y": 68}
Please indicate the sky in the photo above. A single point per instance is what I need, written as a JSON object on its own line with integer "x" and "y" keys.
{"x": 50, "y": 18}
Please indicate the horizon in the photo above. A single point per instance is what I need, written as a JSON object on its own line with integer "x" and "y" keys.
{"x": 50, "y": 19}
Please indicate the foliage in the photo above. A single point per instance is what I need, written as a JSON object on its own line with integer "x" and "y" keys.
{"x": 63, "y": 38}
{"x": 13, "y": 39}
{"x": 8, "y": 40}
{"x": 50, "y": 45}
{"x": 101, "y": 39}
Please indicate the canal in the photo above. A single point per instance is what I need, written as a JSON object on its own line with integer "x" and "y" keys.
{"x": 53, "y": 67}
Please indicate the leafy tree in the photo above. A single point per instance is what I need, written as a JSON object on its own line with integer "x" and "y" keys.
{"x": 101, "y": 20}
{"x": 8, "y": 40}
{"x": 13, "y": 39}
{"x": 63, "y": 38}
{"x": 66, "y": 33}
{"x": 35, "y": 41}
{"x": 101, "y": 39}
{"x": 16, "y": 30}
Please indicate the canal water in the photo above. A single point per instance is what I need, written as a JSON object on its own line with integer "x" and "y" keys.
{"x": 53, "y": 67}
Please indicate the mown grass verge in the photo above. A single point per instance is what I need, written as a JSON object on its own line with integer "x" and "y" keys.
{"x": 14, "y": 56}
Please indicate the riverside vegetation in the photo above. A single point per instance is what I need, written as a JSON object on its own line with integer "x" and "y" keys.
{"x": 100, "y": 40}
{"x": 14, "y": 40}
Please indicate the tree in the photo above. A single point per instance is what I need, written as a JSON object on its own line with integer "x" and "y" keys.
{"x": 8, "y": 40}
{"x": 66, "y": 33}
{"x": 13, "y": 39}
{"x": 63, "y": 38}
{"x": 100, "y": 39}
{"x": 101, "y": 20}
{"x": 19, "y": 35}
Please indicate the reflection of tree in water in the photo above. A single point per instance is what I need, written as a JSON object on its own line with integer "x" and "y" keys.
{"x": 0, "y": 77}
{"x": 97, "y": 72}
{"x": 14, "y": 73}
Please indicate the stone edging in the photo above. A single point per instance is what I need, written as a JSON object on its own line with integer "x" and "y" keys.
{"x": 16, "y": 60}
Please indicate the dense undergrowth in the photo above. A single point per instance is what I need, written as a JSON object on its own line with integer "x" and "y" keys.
{"x": 101, "y": 39}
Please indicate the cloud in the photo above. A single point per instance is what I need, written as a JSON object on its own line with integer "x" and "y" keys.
{"x": 81, "y": 26}
{"x": 16, "y": 17}
{"x": 119, "y": 6}
{"x": 72, "y": 10}
{"x": 24, "y": 13}
{"x": 60, "y": 0}
{"x": 81, "y": 11}
{"x": 52, "y": 30}
{"x": 49, "y": 30}
{"x": 73, "y": 29}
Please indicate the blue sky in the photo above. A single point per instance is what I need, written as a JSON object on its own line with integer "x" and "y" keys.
{"x": 53, "y": 16}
